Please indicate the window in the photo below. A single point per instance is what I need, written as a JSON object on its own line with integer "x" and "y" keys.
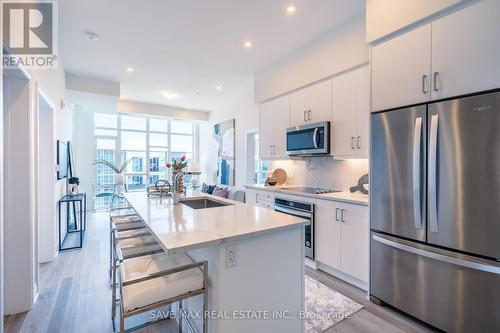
{"x": 261, "y": 167}
{"x": 257, "y": 169}
{"x": 149, "y": 143}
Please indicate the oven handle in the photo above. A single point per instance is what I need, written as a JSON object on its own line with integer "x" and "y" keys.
{"x": 293, "y": 212}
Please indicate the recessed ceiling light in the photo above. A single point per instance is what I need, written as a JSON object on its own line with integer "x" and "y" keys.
{"x": 129, "y": 69}
{"x": 247, "y": 44}
{"x": 91, "y": 35}
{"x": 291, "y": 9}
{"x": 219, "y": 88}
{"x": 169, "y": 94}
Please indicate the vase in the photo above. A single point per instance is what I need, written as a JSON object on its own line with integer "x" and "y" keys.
{"x": 72, "y": 189}
{"x": 180, "y": 181}
{"x": 119, "y": 179}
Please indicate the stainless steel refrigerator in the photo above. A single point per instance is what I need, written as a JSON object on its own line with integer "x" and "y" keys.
{"x": 435, "y": 212}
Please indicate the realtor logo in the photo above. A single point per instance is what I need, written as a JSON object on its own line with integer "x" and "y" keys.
{"x": 30, "y": 33}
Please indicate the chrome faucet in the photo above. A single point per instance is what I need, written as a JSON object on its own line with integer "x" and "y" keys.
{"x": 176, "y": 183}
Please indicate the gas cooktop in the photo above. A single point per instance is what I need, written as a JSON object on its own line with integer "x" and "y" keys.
{"x": 311, "y": 190}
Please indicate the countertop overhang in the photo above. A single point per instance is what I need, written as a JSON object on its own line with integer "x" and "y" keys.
{"x": 180, "y": 228}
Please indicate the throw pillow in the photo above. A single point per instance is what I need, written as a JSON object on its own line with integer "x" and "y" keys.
{"x": 220, "y": 192}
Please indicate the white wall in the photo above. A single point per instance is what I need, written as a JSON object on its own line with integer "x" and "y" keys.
{"x": 53, "y": 84}
{"x": 386, "y": 17}
{"x": 125, "y": 106}
{"x": 84, "y": 107}
{"x": 337, "y": 51}
{"x": 341, "y": 49}
{"x": 246, "y": 115}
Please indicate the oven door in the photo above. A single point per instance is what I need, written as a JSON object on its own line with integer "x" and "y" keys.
{"x": 310, "y": 139}
{"x": 308, "y": 229}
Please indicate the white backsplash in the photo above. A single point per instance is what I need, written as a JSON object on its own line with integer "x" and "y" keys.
{"x": 322, "y": 172}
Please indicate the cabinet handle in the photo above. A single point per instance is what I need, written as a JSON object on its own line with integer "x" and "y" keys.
{"x": 359, "y": 142}
{"x": 424, "y": 81}
{"x": 435, "y": 81}
{"x": 309, "y": 115}
{"x": 305, "y": 113}
{"x": 342, "y": 215}
{"x": 337, "y": 214}
{"x": 353, "y": 145}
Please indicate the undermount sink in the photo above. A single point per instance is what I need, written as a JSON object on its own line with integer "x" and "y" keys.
{"x": 202, "y": 203}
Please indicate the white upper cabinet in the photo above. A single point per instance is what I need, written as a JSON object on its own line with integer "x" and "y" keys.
{"x": 466, "y": 50}
{"x": 344, "y": 114}
{"x": 363, "y": 114}
{"x": 298, "y": 107}
{"x": 273, "y": 121}
{"x": 351, "y": 114}
{"x": 454, "y": 55}
{"x": 281, "y": 121}
{"x": 401, "y": 70}
{"x": 266, "y": 130}
{"x": 319, "y": 101}
{"x": 312, "y": 104}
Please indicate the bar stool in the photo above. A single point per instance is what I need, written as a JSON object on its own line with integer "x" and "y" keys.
{"x": 131, "y": 244}
{"x": 157, "y": 280}
{"x": 121, "y": 219}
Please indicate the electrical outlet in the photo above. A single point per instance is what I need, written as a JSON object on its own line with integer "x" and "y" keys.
{"x": 232, "y": 259}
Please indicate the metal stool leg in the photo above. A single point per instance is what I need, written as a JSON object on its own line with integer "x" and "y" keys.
{"x": 180, "y": 316}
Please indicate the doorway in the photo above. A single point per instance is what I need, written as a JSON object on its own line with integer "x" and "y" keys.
{"x": 45, "y": 208}
{"x": 18, "y": 200}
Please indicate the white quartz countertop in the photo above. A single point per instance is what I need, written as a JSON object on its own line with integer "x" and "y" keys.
{"x": 180, "y": 228}
{"x": 348, "y": 197}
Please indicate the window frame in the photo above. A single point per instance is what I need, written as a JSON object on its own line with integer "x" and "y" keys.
{"x": 147, "y": 174}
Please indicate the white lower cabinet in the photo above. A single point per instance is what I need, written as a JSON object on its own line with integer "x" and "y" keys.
{"x": 264, "y": 199}
{"x": 342, "y": 237}
{"x": 327, "y": 234}
{"x": 354, "y": 240}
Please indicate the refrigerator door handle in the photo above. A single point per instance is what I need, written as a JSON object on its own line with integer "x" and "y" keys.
{"x": 439, "y": 257}
{"x": 432, "y": 178}
{"x": 417, "y": 139}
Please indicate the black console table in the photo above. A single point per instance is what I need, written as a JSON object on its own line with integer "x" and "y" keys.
{"x": 76, "y": 211}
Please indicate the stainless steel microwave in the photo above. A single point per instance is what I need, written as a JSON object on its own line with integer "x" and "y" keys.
{"x": 308, "y": 140}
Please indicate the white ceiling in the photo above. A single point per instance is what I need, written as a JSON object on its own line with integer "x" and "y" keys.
{"x": 189, "y": 46}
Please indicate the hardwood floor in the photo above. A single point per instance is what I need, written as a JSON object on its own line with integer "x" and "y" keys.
{"x": 75, "y": 296}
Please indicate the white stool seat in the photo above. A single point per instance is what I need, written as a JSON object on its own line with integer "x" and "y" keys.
{"x": 122, "y": 211}
{"x": 133, "y": 233}
{"x": 125, "y": 219}
{"x": 137, "y": 250}
{"x": 129, "y": 225}
{"x": 155, "y": 290}
{"x": 135, "y": 241}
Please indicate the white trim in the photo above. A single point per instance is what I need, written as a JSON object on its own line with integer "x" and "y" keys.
{"x": 343, "y": 276}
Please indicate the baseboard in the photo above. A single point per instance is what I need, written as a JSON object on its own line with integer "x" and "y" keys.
{"x": 343, "y": 276}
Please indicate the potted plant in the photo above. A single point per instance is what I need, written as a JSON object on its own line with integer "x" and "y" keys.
{"x": 119, "y": 176}
{"x": 177, "y": 166}
{"x": 73, "y": 183}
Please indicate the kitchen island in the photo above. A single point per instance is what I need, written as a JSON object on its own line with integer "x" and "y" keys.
{"x": 255, "y": 258}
